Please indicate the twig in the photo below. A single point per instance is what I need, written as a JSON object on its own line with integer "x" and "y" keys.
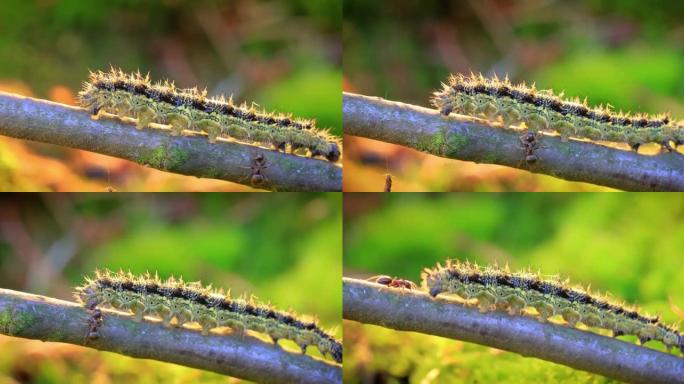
{"x": 415, "y": 311}
{"x": 459, "y": 138}
{"x": 38, "y": 317}
{"x": 48, "y": 122}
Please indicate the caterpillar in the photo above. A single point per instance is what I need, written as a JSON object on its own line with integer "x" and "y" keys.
{"x": 542, "y": 110}
{"x": 495, "y": 288}
{"x": 173, "y": 299}
{"x": 135, "y": 96}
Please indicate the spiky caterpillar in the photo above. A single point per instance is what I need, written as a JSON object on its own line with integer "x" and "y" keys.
{"x": 171, "y": 299}
{"x": 541, "y": 110}
{"x": 135, "y": 96}
{"x": 496, "y": 288}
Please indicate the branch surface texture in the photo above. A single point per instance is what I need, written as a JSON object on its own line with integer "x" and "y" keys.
{"x": 461, "y": 138}
{"x": 47, "y": 319}
{"x": 48, "y": 122}
{"x": 415, "y": 311}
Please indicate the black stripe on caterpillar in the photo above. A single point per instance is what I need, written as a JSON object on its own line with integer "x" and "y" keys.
{"x": 497, "y": 288}
{"x": 171, "y": 299}
{"x": 542, "y": 110}
{"x": 135, "y": 96}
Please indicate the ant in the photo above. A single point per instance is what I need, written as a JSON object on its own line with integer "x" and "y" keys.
{"x": 529, "y": 142}
{"x": 257, "y": 178}
{"x": 393, "y": 282}
{"x": 94, "y": 323}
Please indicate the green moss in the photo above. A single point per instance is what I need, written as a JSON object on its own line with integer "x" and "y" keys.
{"x": 55, "y": 335}
{"x": 14, "y": 323}
{"x": 154, "y": 159}
{"x": 455, "y": 143}
{"x": 423, "y": 145}
{"x": 210, "y": 173}
{"x": 433, "y": 144}
{"x": 490, "y": 159}
{"x": 444, "y": 143}
{"x": 438, "y": 143}
{"x": 177, "y": 157}
{"x": 5, "y": 321}
{"x": 163, "y": 157}
{"x": 288, "y": 164}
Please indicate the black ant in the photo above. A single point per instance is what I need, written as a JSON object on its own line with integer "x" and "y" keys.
{"x": 94, "y": 323}
{"x": 257, "y": 178}
{"x": 529, "y": 142}
{"x": 393, "y": 282}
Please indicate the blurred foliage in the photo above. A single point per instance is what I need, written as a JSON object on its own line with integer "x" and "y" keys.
{"x": 625, "y": 53}
{"x": 282, "y": 55}
{"x": 627, "y": 244}
{"x": 280, "y": 247}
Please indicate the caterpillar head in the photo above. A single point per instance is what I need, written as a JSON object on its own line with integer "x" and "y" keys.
{"x": 443, "y": 102}
{"x": 87, "y": 295}
{"x": 671, "y": 338}
{"x": 330, "y": 347}
{"x": 88, "y": 97}
{"x": 333, "y": 152}
{"x": 434, "y": 281}
{"x": 678, "y": 134}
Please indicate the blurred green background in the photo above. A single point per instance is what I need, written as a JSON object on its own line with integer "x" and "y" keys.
{"x": 282, "y": 248}
{"x": 627, "y": 244}
{"x": 284, "y": 55}
{"x": 629, "y": 54}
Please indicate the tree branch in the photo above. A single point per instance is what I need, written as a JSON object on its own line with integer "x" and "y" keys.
{"x": 459, "y": 138}
{"x": 48, "y": 122}
{"x": 415, "y": 311}
{"x": 38, "y": 317}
